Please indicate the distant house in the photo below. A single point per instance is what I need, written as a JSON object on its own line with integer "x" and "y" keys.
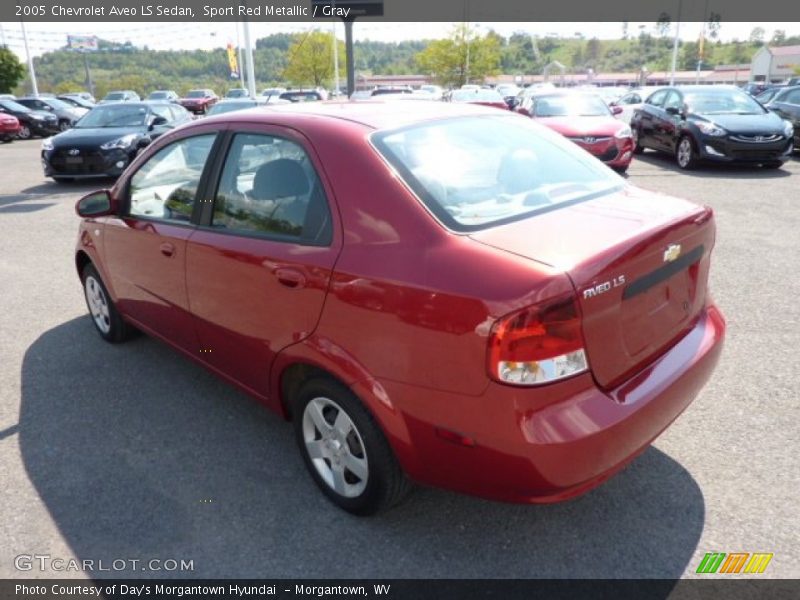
{"x": 775, "y": 63}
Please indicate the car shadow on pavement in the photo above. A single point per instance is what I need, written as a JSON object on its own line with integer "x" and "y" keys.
{"x": 85, "y": 186}
{"x": 139, "y": 453}
{"x": 722, "y": 171}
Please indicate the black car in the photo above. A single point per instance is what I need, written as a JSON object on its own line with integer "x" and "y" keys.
{"x": 786, "y": 104}
{"x": 108, "y": 138}
{"x": 32, "y": 122}
{"x": 67, "y": 114}
{"x": 711, "y": 123}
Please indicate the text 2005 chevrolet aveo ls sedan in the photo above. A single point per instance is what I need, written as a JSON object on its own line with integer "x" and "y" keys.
{"x": 431, "y": 293}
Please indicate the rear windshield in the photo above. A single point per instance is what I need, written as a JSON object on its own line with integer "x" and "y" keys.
{"x": 476, "y": 172}
{"x": 477, "y": 96}
{"x": 577, "y": 105}
{"x": 196, "y": 94}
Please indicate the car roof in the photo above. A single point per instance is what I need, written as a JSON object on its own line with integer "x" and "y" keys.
{"x": 374, "y": 114}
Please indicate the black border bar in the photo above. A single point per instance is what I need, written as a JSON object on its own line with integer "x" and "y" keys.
{"x": 522, "y": 11}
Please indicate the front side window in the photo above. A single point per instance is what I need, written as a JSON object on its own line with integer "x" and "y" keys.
{"x": 166, "y": 185}
{"x": 673, "y": 100}
{"x": 269, "y": 187}
{"x": 475, "y": 172}
{"x": 657, "y": 98}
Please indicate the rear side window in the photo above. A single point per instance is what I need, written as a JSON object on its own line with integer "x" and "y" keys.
{"x": 269, "y": 188}
{"x": 475, "y": 172}
{"x": 166, "y": 185}
{"x": 792, "y": 97}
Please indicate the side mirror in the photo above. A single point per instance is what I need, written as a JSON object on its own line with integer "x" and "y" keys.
{"x": 673, "y": 110}
{"x": 616, "y": 110}
{"x": 156, "y": 122}
{"x": 96, "y": 204}
{"x": 143, "y": 142}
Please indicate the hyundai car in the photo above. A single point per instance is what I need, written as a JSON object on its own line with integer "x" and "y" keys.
{"x": 32, "y": 122}
{"x": 107, "y": 139}
{"x": 712, "y": 124}
{"x": 199, "y": 101}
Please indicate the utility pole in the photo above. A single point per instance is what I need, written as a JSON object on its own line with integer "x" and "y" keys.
{"x": 2, "y": 37}
{"x": 239, "y": 51}
{"x": 675, "y": 44}
{"x": 348, "y": 47}
{"x": 701, "y": 44}
{"x": 89, "y": 83}
{"x": 335, "y": 54}
{"x": 31, "y": 72}
{"x": 248, "y": 53}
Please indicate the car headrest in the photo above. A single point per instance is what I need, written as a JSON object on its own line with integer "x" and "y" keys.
{"x": 519, "y": 171}
{"x": 279, "y": 178}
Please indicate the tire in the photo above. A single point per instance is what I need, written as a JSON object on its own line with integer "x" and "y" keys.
{"x": 773, "y": 165}
{"x": 344, "y": 449}
{"x": 105, "y": 317}
{"x": 63, "y": 125}
{"x": 63, "y": 179}
{"x": 621, "y": 170}
{"x": 685, "y": 154}
{"x": 24, "y": 133}
{"x": 7, "y": 139}
{"x": 637, "y": 147}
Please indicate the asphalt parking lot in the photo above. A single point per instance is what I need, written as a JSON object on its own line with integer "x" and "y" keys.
{"x": 133, "y": 452}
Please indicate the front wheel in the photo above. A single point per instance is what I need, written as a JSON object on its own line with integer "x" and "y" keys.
{"x": 685, "y": 154}
{"x": 773, "y": 165}
{"x": 64, "y": 125}
{"x": 344, "y": 449}
{"x": 107, "y": 320}
{"x": 24, "y": 133}
{"x": 637, "y": 147}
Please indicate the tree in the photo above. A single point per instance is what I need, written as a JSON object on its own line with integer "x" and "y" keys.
{"x": 593, "y": 52}
{"x": 462, "y": 57}
{"x": 11, "y": 70}
{"x": 625, "y": 30}
{"x": 663, "y": 25}
{"x": 757, "y": 36}
{"x": 310, "y": 60}
{"x": 778, "y": 37}
{"x": 714, "y": 24}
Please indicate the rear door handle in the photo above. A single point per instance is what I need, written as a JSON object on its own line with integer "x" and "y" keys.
{"x": 167, "y": 249}
{"x": 291, "y": 278}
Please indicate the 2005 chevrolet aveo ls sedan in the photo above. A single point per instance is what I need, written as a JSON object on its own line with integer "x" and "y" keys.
{"x": 431, "y": 293}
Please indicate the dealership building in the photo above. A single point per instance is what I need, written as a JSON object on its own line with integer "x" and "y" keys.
{"x": 775, "y": 64}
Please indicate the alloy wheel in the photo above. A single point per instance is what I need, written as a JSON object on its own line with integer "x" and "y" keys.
{"x": 98, "y": 304}
{"x": 24, "y": 133}
{"x": 335, "y": 447}
{"x": 685, "y": 153}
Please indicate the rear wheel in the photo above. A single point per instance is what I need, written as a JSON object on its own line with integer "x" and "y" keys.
{"x": 107, "y": 320}
{"x": 685, "y": 154}
{"x": 344, "y": 449}
{"x": 63, "y": 179}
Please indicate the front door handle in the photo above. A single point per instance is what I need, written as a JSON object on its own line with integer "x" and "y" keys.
{"x": 291, "y": 278}
{"x": 167, "y": 249}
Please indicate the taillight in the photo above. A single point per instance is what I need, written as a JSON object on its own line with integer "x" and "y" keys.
{"x": 538, "y": 344}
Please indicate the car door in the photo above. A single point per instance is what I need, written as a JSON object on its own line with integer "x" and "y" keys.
{"x": 669, "y": 126}
{"x": 259, "y": 265}
{"x": 145, "y": 248}
{"x": 649, "y": 117}
{"x": 787, "y": 105}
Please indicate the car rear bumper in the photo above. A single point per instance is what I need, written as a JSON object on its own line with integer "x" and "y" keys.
{"x": 554, "y": 442}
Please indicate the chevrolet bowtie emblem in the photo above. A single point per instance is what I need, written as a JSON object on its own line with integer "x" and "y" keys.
{"x": 672, "y": 252}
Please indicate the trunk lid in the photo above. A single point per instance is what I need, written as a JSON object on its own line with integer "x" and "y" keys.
{"x": 638, "y": 262}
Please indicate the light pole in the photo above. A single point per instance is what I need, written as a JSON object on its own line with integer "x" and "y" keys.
{"x": 31, "y": 72}
{"x": 702, "y": 42}
{"x": 675, "y": 44}
{"x": 335, "y": 53}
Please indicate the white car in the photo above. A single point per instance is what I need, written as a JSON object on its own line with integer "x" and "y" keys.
{"x": 631, "y": 101}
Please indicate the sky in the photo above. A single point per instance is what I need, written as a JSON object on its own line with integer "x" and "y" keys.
{"x": 186, "y": 36}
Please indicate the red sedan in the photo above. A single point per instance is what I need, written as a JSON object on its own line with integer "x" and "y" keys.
{"x": 9, "y": 127}
{"x": 586, "y": 120}
{"x": 434, "y": 293}
{"x": 199, "y": 101}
